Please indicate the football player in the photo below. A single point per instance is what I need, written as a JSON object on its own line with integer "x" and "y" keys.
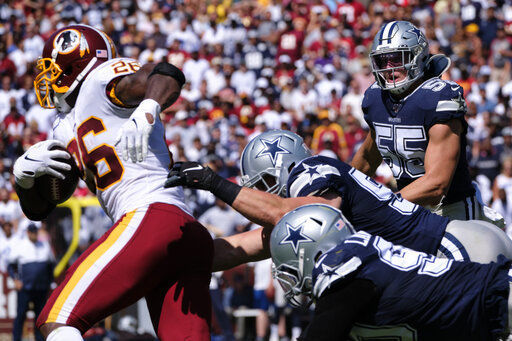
{"x": 109, "y": 121}
{"x": 278, "y": 162}
{"x": 366, "y": 288}
{"x": 417, "y": 125}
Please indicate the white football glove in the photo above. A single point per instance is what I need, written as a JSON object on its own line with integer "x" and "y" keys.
{"x": 40, "y": 160}
{"x": 134, "y": 134}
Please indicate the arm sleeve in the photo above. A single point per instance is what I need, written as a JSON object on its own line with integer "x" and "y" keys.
{"x": 338, "y": 309}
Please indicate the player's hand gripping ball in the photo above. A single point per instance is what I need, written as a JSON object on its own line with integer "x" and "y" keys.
{"x": 57, "y": 190}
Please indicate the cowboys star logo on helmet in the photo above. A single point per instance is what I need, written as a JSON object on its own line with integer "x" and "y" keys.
{"x": 298, "y": 240}
{"x": 272, "y": 148}
{"x": 295, "y": 237}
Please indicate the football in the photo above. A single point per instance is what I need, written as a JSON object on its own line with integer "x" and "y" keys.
{"x": 56, "y": 190}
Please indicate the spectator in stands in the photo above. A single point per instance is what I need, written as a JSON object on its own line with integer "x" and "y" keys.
{"x": 486, "y": 161}
{"x": 152, "y": 53}
{"x": 31, "y": 267}
{"x": 329, "y": 135}
{"x": 9, "y": 209}
{"x": 502, "y": 192}
{"x": 222, "y": 220}
{"x": 6, "y": 240}
{"x": 505, "y": 149}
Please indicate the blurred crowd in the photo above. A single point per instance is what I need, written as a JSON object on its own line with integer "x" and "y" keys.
{"x": 255, "y": 65}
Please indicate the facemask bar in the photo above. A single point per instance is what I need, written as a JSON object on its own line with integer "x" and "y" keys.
{"x": 265, "y": 181}
{"x": 44, "y": 81}
{"x": 297, "y": 290}
{"x": 401, "y": 57}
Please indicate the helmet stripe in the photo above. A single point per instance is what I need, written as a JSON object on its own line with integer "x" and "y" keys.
{"x": 390, "y": 33}
{"x": 387, "y": 31}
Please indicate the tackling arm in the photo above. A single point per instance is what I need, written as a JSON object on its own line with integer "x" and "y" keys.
{"x": 368, "y": 157}
{"x": 441, "y": 158}
{"x": 266, "y": 209}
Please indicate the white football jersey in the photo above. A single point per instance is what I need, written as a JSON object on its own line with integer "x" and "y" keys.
{"x": 89, "y": 132}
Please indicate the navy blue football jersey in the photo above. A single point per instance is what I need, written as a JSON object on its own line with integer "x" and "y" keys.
{"x": 401, "y": 130}
{"x": 420, "y": 297}
{"x": 368, "y": 205}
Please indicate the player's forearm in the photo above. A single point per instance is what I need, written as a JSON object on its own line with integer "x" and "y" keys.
{"x": 362, "y": 164}
{"x": 163, "y": 89}
{"x": 425, "y": 191}
{"x": 367, "y": 158}
{"x": 251, "y": 246}
{"x": 267, "y": 209}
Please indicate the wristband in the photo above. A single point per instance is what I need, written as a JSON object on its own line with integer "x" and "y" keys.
{"x": 170, "y": 70}
{"x": 225, "y": 190}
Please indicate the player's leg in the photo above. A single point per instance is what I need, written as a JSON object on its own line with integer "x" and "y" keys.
{"x": 118, "y": 269}
{"x": 476, "y": 240}
{"x": 181, "y": 308}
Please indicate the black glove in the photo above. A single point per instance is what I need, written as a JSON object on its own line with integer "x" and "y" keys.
{"x": 194, "y": 175}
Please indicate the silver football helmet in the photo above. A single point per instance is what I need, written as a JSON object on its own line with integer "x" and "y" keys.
{"x": 398, "y": 46}
{"x": 268, "y": 159}
{"x": 298, "y": 240}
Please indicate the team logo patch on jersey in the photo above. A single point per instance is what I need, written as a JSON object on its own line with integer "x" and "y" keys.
{"x": 294, "y": 237}
{"x": 272, "y": 148}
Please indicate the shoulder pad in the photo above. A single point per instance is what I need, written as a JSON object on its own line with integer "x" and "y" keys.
{"x": 437, "y": 65}
{"x": 442, "y": 100}
{"x": 369, "y": 95}
{"x": 327, "y": 271}
{"x": 114, "y": 68}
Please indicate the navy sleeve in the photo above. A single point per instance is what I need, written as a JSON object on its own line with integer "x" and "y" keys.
{"x": 12, "y": 270}
{"x": 445, "y": 101}
{"x": 314, "y": 176}
{"x": 368, "y": 100}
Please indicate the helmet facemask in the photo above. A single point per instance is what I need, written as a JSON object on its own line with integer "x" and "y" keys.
{"x": 386, "y": 64}
{"x": 297, "y": 287}
{"x": 399, "y": 50}
{"x": 45, "y": 81}
{"x": 266, "y": 181}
